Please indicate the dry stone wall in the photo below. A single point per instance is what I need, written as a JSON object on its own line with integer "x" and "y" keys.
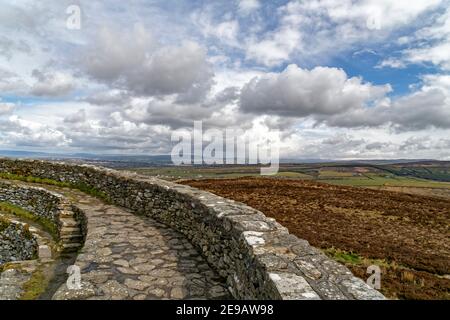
{"x": 40, "y": 202}
{"x": 16, "y": 242}
{"x": 51, "y": 206}
{"x": 257, "y": 256}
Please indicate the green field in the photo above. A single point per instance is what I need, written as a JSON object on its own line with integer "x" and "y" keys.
{"x": 374, "y": 180}
{"x": 420, "y": 178}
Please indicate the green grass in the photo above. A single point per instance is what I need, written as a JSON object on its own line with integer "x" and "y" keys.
{"x": 8, "y": 266}
{"x": 79, "y": 186}
{"x": 424, "y": 172}
{"x": 90, "y": 191}
{"x": 10, "y": 176}
{"x": 346, "y": 177}
{"x": 35, "y": 286}
{"x": 293, "y": 174}
{"x": 333, "y": 174}
{"x": 343, "y": 256}
{"x": 173, "y": 173}
{"x": 47, "y": 224}
{"x": 373, "y": 180}
{"x": 4, "y": 223}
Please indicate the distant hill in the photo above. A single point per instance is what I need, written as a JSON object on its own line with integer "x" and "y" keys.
{"x": 106, "y": 160}
{"x": 420, "y": 168}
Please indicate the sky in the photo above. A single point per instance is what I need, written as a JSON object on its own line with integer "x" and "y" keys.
{"x": 349, "y": 79}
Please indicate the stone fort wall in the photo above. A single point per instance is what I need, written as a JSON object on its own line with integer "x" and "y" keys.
{"x": 257, "y": 256}
{"x": 40, "y": 202}
{"x": 16, "y": 242}
{"x": 56, "y": 210}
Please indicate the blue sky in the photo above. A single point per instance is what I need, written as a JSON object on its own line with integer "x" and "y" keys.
{"x": 340, "y": 79}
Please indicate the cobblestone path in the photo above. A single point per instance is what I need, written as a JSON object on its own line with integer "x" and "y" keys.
{"x": 19, "y": 273}
{"x": 126, "y": 256}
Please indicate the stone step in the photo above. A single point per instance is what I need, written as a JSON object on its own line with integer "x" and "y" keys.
{"x": 68, "y": 247}
{"x": 69, "y": 231}
{"x": 66, "y": 214}
{"x": 71, "y": 238}
{"x": 69, "y": 222}
{"x": 65, "y": 237}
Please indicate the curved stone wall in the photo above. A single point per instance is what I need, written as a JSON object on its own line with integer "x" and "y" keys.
{"x": 51, "y": 206}
{"x": 16, "y": 242}
{"x": 257, "y": 256}
{"x": 40, "y": 202}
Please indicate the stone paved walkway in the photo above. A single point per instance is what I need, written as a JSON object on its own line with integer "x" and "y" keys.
{"x": 11, "y": 283}
{"x": 18, "y": 273}
{"x": 132, "y": 257}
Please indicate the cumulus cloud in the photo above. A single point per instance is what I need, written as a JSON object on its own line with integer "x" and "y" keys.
{"x": 224, "y": 63}
{"x": 113, "y": 51}
{"x": 429, "y": 106}
{"x": 20, "y": 132}
{"x": 78, "y": 117}
{"x": 109, "y": 97}
{"x": 298, "y": 92}
{"x": 430, "y": 44}
{"x": 377, "y": 146}
{"x": 227, "y": 95}
{"x": 113, "y": 132}
{"x": 225, "y": 30}
{"x": 248, "y": 6}
{"x": 329, "y": 96}
{"x": 276, "y": 48}
{"x": 167, "y": 112}
{"x": 51, "y": 84}
{"x": 8, "y": 47}
{"x": 422, "y": 109}
{"x": 11, "y": 82}
{"x": 311, "y": 29}
{"x": 134, "y": 61}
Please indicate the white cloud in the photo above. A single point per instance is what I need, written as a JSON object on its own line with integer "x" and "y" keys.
{"x": 113, "y": 52}
{"x": 310, "y": 30}
{"x": 225, "y": 31}
{"x": 425, "y": 108}
{"x": 51, "y": 84}
{"x": 108, "y": 97}
{"x": 328, "y": 96}
{"x": 438, "y": 54}
{"x": 6, "y": 108}
{"x": 276, "y": 47}
{"x": 248, "y": 6}
{"x": 297, "y": 92}
{"x": 430, "y": 44}
{"x": 134, "y": 61}
{"x": 25, "y": 133}
{"x": 391, "y": 63}
{"x": 145, "y": 70}
{"x": 78, "y": 117}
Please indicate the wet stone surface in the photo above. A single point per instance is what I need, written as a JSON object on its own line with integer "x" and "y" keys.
{"x": 132, "y": 257}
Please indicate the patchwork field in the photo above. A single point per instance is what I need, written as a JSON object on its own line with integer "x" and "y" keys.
{"x": 406, "y": 235}
{"x": 423, "y": 178}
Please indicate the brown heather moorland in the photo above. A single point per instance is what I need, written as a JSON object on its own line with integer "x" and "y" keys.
{"x": 406, "y": 235}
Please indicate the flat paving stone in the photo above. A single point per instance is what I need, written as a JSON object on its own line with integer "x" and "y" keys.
{"x": 126, "y": 256}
